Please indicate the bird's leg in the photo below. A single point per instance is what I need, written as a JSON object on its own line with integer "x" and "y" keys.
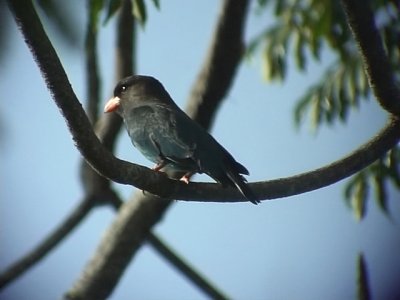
{"x": 159, "y": 165}
{"x": 185, "y": 178}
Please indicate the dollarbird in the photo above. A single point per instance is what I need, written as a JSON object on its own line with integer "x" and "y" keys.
{"x": 165, "y": 135}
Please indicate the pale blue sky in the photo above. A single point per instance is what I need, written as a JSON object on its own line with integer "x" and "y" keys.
{"x": 302, "y": 247}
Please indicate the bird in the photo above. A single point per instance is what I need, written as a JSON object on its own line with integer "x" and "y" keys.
{"x": 168, "y": 137}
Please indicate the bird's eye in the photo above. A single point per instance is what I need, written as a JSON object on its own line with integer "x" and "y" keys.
{"x": 119, "y": 90}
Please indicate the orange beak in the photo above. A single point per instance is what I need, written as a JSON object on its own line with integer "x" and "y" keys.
{"x": 112, "y": 104}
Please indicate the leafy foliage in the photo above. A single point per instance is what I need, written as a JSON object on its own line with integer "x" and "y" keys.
{"x": 95, "y": 7}
{"x": 302, "y": 27}
{"x": 341, "y": 88}
{"x": 356, "y": 192}
{"x": 139, "y": 9}
{"x": 113, "y": 6}
{"x": 376, "y": 176}
{"x": 301, "y": 30}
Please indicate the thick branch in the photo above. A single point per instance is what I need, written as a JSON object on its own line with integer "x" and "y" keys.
{"x": 108, "y": 126}
{"x": 377, "y": 66}
{"x": 97, "y": 187}
{"x": 124, "y": 172}
{"x": 125, "y": 235}
{"x": 178, "y": 262}
{"x": 57, "y": 82}
{"x": 385, "y": 140}
{"x": 220, "y": 65}
{"x": 108, "y": 131}
{"x": 137, "y": 217}
{"x": 141, "y": 177}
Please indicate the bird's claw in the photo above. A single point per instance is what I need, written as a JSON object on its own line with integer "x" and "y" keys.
{"x": 185, "y": 178}
{"x": 159, "y": 166}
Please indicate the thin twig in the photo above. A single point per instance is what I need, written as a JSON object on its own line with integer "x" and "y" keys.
{"x": 194, "y": 276}
{"x": 92, "y": 68}
{"x": 179, "y": 263}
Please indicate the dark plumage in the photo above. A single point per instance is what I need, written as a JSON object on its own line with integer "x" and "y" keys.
{"x": 167, "y": 136}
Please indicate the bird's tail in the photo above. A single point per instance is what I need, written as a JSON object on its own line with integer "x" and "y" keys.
{"x": 240, "y": 182}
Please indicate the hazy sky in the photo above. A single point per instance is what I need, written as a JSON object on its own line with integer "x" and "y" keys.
{"x": 302, "y": 247}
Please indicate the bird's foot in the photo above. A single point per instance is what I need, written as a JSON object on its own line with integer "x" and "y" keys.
{"x": 185, "y": 178}
{"x": 159, "y": 166}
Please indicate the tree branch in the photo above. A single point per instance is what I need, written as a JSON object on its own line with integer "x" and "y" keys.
{"x": 92, "y": 69}
{"x": 377, "y": 66}
{"x": 97, "y": 187}
{"x": 186, "y": 270}
{"x": 56, "y": 80}
{"x": 220, "y": 65}
{"x": 136, "y": 217}
{"x": 303, "y": 182}
{"x": 108, "y": 126}
{"x": 125, "y": 235}
{"x": 156, "y": 183}
{"x": 175, "y": 260}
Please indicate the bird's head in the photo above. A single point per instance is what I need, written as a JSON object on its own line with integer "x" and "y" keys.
{"x": 135, "y": 91}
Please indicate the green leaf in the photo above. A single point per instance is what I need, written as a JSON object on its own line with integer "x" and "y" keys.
{"x": 380, "y": 193}
{"x": 299, "y": 50}
{"x": 363, "y": 289}
{"x": 95, "y": 7}
{"x": 359, "y": 199}
{"x": 315, "y": 46}
{"x": 349, "y": 86}
{"x": 156, "y": 4}
{"x": 281, "y": 65}
{"x": 356, "y": 193}
{"x": 340, "y": 85}
{"x": 362, "y": 82}
{"x": 267, "y": 66}
{"x": 139, "y": 11}
{"x": 315, "y": 111}
{"x": 324, "y": 22}
{"x": 302, "y": 106}
{"x": 280, "y": 6}
{"x": 393, "y": 165}
{"x": 257, "y": 41}
{"x": 113, "y": 6}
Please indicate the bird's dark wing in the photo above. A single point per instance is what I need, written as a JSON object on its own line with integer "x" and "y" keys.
{"x": 154, "y": 131}
{"x": 169, "y": 136}
{"x": 212, "y": 158}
